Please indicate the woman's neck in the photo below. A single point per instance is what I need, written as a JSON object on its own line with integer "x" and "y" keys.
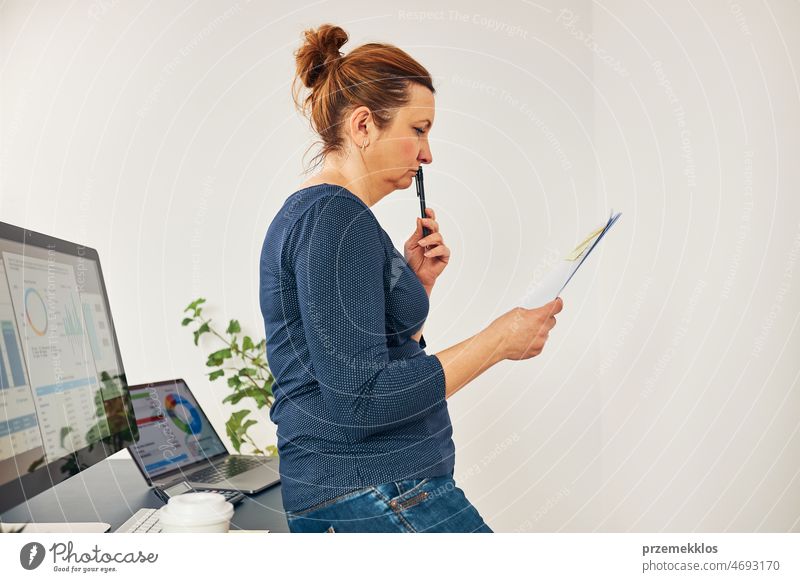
{"x": 354, "y": 179}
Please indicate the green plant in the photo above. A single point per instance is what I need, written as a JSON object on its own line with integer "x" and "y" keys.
{"x": 247, "y": 370}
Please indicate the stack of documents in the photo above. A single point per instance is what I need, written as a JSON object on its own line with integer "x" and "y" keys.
{"x": 554, "y": 282}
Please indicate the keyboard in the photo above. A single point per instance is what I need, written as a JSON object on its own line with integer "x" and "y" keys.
{"x": 230, "y": 467}
{"x": 143, "y": 521}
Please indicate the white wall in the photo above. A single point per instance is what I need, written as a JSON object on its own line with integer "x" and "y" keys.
{"x": 163, "y": 134}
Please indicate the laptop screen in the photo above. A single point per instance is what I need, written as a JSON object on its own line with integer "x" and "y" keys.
{"x": 173, "y": 431}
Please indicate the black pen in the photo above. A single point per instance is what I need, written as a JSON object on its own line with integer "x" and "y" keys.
{"x": 421, "y": 195}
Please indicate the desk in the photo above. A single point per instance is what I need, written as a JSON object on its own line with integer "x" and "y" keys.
{"x": 112, "y": 491}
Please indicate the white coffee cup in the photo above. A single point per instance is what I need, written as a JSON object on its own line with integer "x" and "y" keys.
{"x": 197, "y": 512}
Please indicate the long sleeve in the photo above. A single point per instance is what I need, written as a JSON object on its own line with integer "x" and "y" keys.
{"x": 339, "y": 268}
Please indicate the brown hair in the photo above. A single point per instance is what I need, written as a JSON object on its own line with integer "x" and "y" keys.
{"x": 375, "y": 75}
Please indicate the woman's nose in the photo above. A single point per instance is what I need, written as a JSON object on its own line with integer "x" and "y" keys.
{"x": 425, "y": 155}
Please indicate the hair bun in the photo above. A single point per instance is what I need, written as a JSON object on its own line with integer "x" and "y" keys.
{"x": 321, "y": 48}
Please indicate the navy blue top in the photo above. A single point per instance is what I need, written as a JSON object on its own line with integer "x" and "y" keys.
{"x": 358, "y": 402}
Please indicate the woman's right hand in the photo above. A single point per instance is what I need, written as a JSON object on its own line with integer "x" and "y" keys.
{"x": 523, "y": 332}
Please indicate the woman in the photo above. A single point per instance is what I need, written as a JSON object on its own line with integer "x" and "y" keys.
{"x": 364, "y": 435}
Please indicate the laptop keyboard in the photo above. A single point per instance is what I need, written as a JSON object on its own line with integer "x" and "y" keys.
{"x": 231, "y": 467}
{"x": 143, "y": 521}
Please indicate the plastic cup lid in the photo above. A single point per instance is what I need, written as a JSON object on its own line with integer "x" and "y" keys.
{"x": 198, "y": 508}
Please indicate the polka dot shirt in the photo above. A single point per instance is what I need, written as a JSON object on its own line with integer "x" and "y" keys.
{"x": 358, "y": 402}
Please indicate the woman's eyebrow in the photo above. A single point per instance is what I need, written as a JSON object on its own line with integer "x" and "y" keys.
{"x": 428, "y": 121}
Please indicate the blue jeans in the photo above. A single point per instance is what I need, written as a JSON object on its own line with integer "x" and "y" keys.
{"x": 433, "y": 504}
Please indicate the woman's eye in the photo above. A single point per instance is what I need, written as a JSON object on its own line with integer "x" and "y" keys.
{"x": 419, "y": 130}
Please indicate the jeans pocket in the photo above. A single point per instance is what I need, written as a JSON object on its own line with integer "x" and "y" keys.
{"x": 298, "y": 524}
{"x": 412, "y": 494}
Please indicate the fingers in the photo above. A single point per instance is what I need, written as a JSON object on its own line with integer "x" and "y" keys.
{"x": 430, "y": 222}
{"x": 547, "y": 324}
{"x": 555, "y": 306}
{"x": 434, "y": 238}
{"x": 431, "y": 239}
{"x": 440, "y": 251}
{"x": 552, "y": 308}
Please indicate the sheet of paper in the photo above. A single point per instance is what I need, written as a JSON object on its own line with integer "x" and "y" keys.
{"x": 557, "y": 278}
{"x": 579, "y": 250}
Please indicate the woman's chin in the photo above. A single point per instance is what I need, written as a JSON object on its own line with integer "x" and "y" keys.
{"x": 405, "y": 181}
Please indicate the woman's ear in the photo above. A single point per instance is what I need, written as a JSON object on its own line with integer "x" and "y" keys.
{"x": 360, "y": 123}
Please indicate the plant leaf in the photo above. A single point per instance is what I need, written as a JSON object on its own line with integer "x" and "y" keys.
{"x": 237, "y": 443}
{"x": 256, "y": 394}
{"x": 267, "y": 388}
{"x": 200, "y": 331}
{"x": 216, "y": 358}
{"x": 238, "y": 416}
{"x": 194, "y": 304}
{"x": 234, "y": 327}
{"x": 236, "y": 429}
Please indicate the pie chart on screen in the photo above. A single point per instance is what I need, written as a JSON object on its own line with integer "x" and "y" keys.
{"x": 183, "y": 414}
{"x": 35, "y": 311}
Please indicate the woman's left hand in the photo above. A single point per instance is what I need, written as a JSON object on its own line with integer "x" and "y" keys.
{"x": 428, "y": 263}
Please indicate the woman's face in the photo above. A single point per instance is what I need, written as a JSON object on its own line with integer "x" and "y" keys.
{"x": 393, "y": 157}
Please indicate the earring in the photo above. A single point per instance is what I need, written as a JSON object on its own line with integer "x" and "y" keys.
{"x": 364, "y": 144}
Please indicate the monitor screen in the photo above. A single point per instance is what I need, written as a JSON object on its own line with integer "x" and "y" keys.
{"x": 64, "y": 401}
{"x": 173, "y": 430}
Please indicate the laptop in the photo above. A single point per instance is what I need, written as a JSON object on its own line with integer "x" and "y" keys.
{"x": 177, "y": 443}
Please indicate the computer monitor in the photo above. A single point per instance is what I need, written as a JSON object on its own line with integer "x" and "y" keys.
{"x": 64, "y": 401}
